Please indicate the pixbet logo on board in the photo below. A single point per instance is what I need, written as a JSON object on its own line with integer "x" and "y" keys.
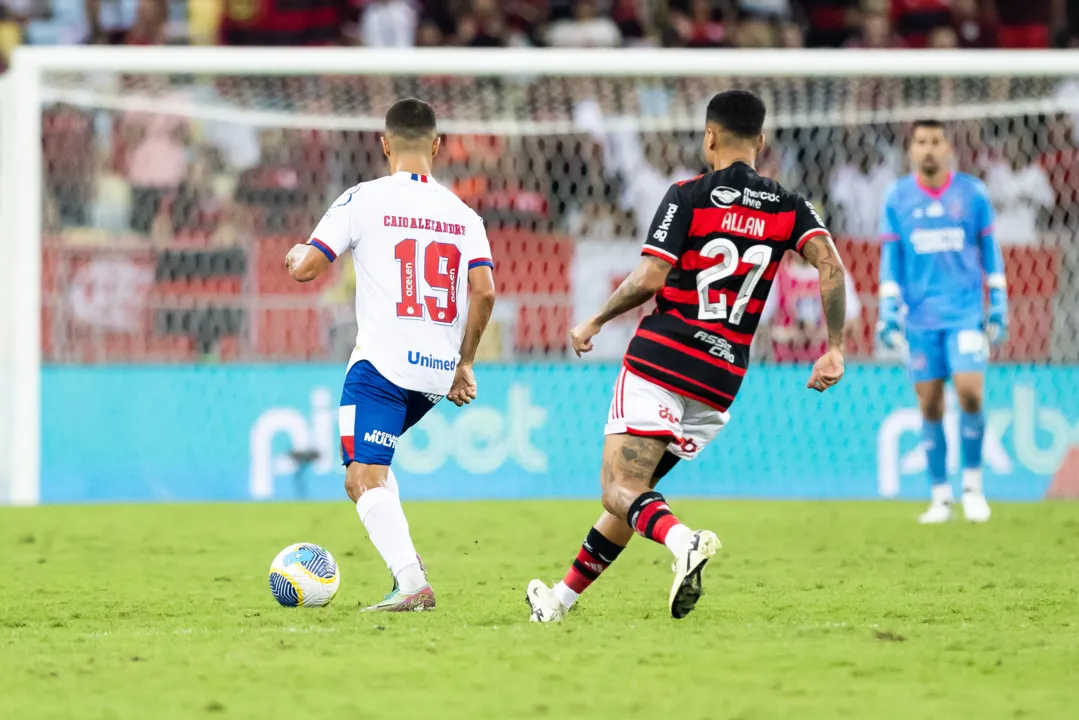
{"x": 1038, "y": 438}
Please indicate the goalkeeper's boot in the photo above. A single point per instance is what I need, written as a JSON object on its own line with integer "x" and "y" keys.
{"x": 545, "y": 607}
{"x": 686, "y": 591}
{"x": 400, "y": 601}
{"x": 940, "y": 508}
{"x": 975, "y": 507}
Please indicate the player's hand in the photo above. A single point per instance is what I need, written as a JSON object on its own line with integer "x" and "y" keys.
{"x": 996, "y": 327}
{"x": 463, "y": 390}
{"x": 295, "y": 256}
{"x": 581, "y": 336}
{"x": 827, "y": 371}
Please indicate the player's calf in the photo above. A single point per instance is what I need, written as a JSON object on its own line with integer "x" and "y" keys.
{"x": 969, "y": 387}
{"x": 379, "y": 508}
{"x": 596, "y": 555}
{"x": 605, "y": 542}
{"x": 629, "y": 464}
{"x": 598, "y": 551}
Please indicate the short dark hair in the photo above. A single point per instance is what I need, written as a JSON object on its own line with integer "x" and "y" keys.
{"x": 411, "y": 119}
{"x": 739, "y": 112}
{"x": 927, "y": 123}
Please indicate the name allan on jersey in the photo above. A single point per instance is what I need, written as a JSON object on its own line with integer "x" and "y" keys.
{"x": 415, "y": 223}
{"x": 742, "y": 225}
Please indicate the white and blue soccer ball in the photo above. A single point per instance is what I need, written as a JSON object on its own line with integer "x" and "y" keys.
{"x": 304, "y": 575}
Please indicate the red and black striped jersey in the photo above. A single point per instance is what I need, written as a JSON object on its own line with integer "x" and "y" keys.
{"x": 725, "y": 233}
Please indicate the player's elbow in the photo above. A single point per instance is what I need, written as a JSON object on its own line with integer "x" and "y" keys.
{"x": 309, "y": 268}
{"x": 653, "y": 285}
{"x": 303, "y": 274}
{"x": 652, "y": 274}
{"x": 483, "y": 297}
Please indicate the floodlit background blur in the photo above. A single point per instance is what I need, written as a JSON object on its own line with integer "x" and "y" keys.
{"x": 170, "y": 201}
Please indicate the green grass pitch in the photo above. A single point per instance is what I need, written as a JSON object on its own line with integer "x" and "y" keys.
{"x": 812, "y": 610}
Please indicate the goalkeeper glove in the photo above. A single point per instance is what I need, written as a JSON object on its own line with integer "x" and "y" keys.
{"x": 996, "y": 328}
{"x": 889, "y": 332}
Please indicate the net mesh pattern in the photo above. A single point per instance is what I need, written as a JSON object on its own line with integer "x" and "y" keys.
{"x": 170, "y": 201}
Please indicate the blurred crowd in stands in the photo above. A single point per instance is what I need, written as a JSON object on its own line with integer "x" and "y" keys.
{"x": 176, "y": 175}
{"x": 546, "y": 23}
{"x": 205, "y": 207}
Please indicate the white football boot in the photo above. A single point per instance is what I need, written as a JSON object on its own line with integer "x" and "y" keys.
{"x": 688, "y": 566}
{"x": 545, "y": 607}
{"x": 940, "y": 507}
{"x": 975, "y": 507}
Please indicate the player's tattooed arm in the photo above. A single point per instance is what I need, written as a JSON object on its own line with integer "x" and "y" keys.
{"x": 820, "y": 252}
{"x": 637, "y": 289}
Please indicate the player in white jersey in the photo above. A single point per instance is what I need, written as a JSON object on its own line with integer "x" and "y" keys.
{"x": 414, "y": 245}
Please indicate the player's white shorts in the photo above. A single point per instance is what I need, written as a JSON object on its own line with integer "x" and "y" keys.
{"x": 645, "y": 409}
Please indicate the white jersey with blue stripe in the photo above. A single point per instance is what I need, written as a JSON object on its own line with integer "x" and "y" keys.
{"x": 413, "y": 242}
{"x": 938, "y": 250}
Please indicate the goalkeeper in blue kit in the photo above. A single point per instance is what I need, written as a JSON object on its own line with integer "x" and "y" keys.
{"x": 938, "y": 253}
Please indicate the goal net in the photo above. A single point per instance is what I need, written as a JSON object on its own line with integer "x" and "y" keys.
{"x": 161, "y": 192}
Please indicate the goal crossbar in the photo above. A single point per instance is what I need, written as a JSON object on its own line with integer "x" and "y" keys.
{"x": 653, "y": 63}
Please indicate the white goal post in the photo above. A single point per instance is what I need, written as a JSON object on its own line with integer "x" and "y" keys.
{"x": 27, "y": 88}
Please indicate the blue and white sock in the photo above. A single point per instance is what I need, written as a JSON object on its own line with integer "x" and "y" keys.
{"x": 972, "y": 435}
{"x": 936, "y": 451}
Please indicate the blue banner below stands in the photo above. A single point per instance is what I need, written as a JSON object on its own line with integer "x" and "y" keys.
{"x": 231, "y": 432}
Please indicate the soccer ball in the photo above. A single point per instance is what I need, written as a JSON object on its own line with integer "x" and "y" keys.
{"x": 305, "y": 575}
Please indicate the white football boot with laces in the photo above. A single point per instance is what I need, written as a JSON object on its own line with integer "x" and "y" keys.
{"x": 688, "y": 566}
{"x": 545, "y": 607}
{"x": 940, "y": 508}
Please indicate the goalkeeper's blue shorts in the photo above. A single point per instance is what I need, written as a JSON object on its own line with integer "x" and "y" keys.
{"x": 940, "y": 354}
{"x": 375, "y": 413}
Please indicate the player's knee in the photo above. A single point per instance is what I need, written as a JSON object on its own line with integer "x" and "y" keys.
{"x": 933, "y": 412}
{"x": 932, "y": 406}
{"x": 609, "y": 498}
{"x": 970, "y": 402}
{"x": 968, "y": 388}
{"x": 360, "y": 478}
{"x": 353, "y": 486}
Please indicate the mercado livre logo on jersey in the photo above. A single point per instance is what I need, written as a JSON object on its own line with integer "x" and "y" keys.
{"x": 754, "y": 198}
{"x": 430, "y": 361}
